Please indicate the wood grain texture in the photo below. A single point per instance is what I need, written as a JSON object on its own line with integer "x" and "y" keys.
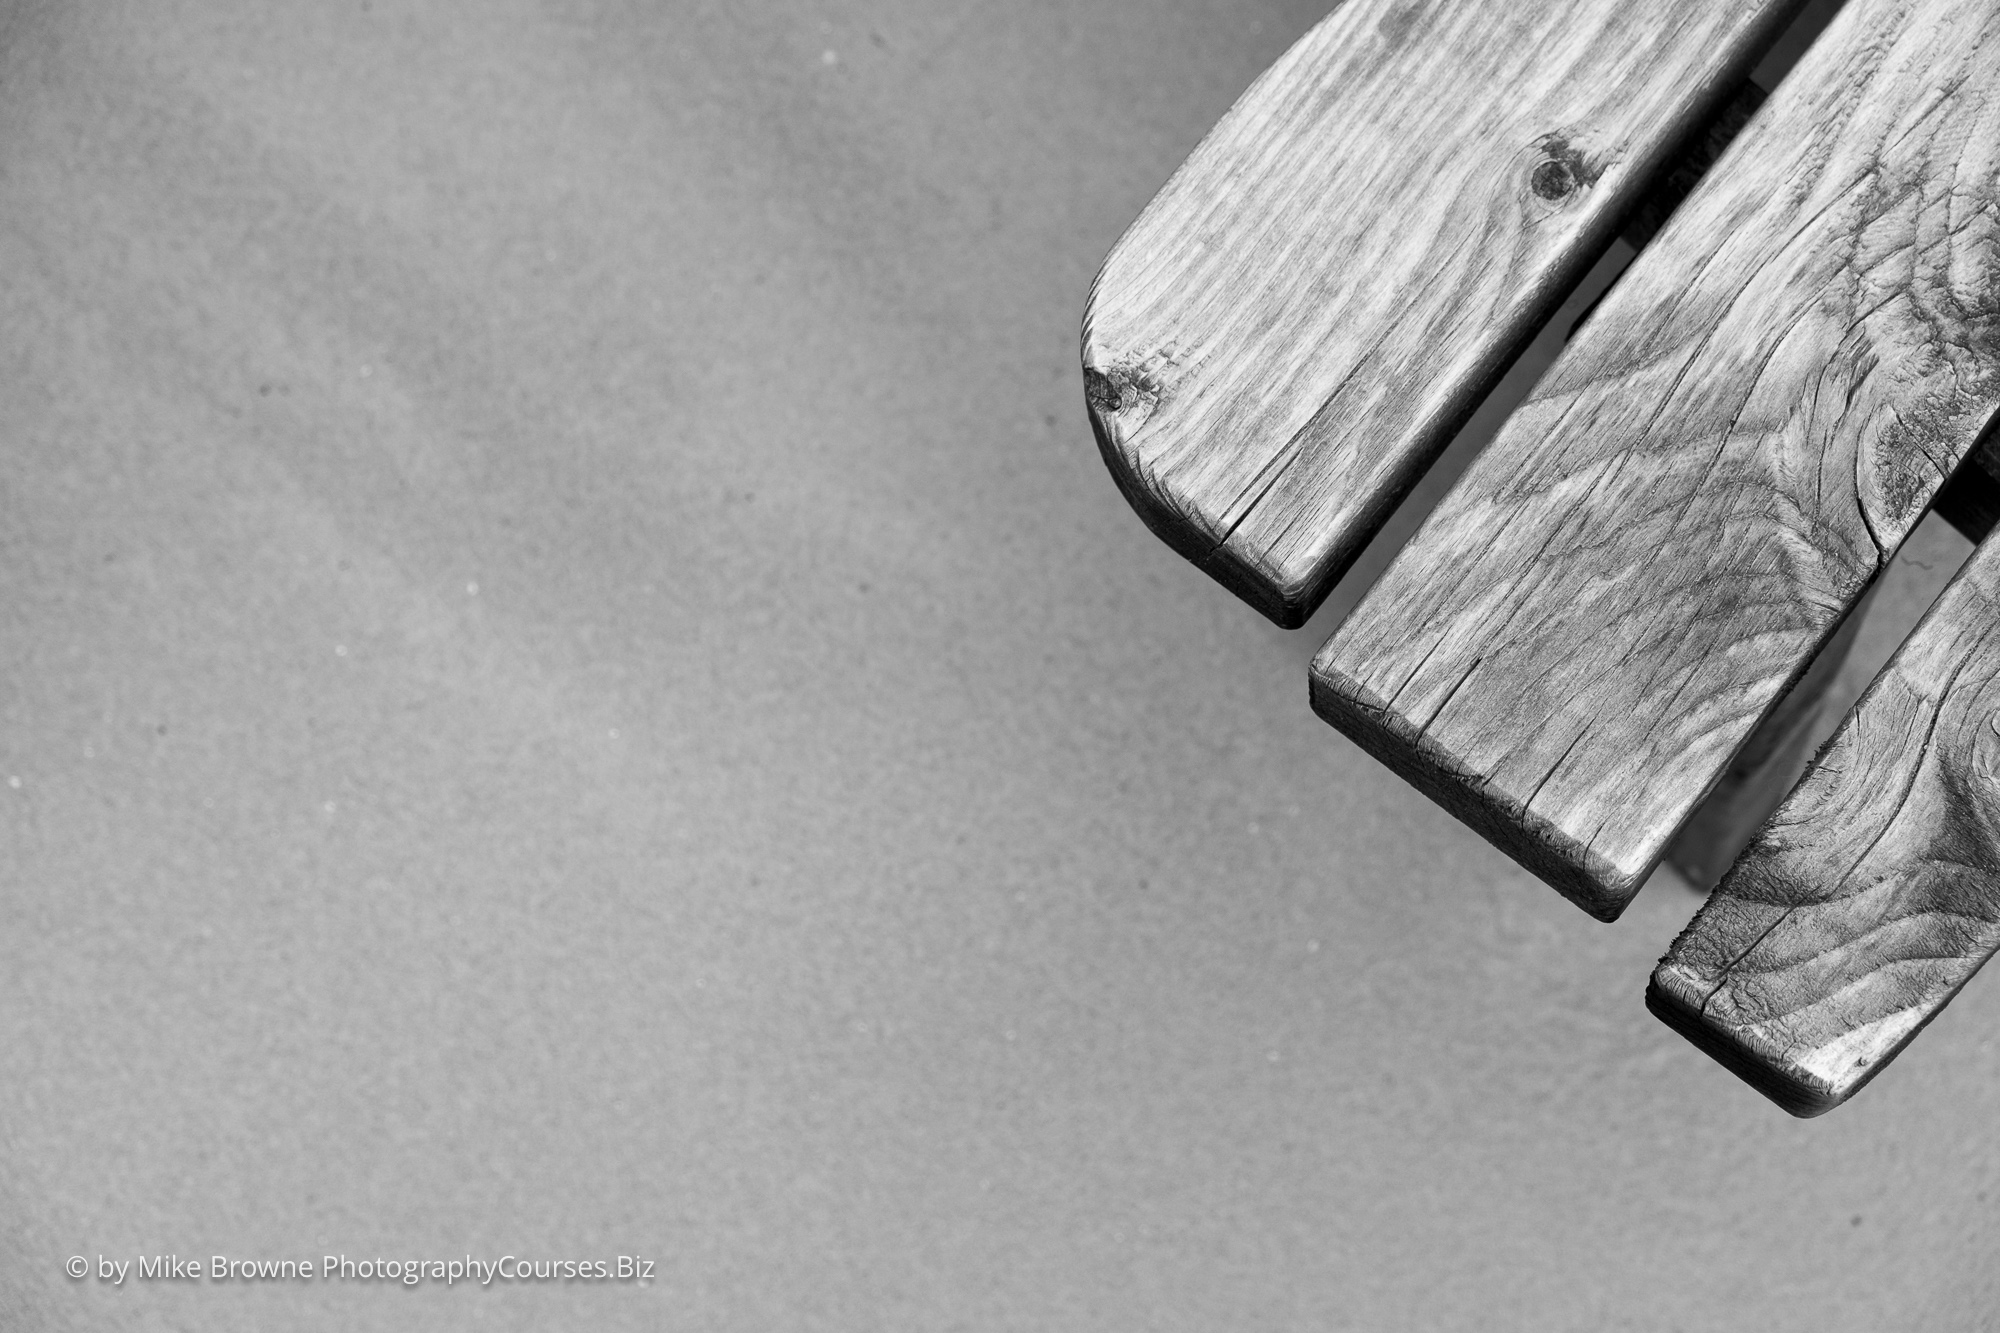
{"x": 1591, "y": 624}
{"x": 1874, "y": 892}
{"x": 1310, "y": 308}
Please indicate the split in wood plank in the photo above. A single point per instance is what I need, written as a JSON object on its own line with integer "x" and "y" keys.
{"x": 1589, "y": 627}
{"x": 1298, "y": 323}
{"x": 1764, "y": 770}
{"x": 1970, "y": 502}
{"x": 1873, "y": 895}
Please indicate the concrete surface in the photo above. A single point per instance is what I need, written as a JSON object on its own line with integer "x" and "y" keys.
{"x": 578, "y": 689}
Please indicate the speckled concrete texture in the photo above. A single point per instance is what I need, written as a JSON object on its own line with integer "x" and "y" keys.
{"x": 574, "y": 686}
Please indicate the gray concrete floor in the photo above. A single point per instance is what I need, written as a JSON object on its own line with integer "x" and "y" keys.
{"x": 575, "y": 686}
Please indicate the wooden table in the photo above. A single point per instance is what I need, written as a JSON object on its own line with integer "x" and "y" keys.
{"x": 1616, "y": 602}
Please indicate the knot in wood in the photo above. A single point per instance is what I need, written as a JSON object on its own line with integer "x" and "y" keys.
{"x": 1103, "y": 392}
{"x": 1562, "y": 170}
{"x": 1553, "y": 179}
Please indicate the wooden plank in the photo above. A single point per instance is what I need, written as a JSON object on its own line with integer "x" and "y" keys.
{"x": 1309, "y": 309}
{"x": 1874, "y": 893}
{"x": 1774, "y": 757}
{"x": 1590, "y": 625}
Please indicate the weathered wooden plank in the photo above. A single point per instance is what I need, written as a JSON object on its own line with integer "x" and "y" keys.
{"x": 1591, "y": 624}
{"x": 1310, "y": 308}
{"x": 1774, "y": 757}
{"x": 1874, "y": 892}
